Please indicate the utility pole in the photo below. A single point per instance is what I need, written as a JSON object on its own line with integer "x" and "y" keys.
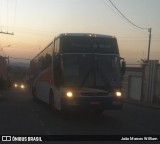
{"x": 7, "y": 33}
{"x": 149, "y": 44}
{"x": 2, "y": 32}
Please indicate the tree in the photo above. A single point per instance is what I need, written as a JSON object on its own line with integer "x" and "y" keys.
{"x": 143, "y": 62}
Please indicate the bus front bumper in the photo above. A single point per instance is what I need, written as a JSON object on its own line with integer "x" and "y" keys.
{"x": 87, "y": 103}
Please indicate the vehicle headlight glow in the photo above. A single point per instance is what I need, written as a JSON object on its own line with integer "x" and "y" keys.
{"x": 69, "y": 94}
{"x": 15, "y": 85}
{"x": 118, "y": 94}
{"x": 22, "y": 86}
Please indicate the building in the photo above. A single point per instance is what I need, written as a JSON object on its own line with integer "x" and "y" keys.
{"x": 4, "y": 73}
{"x": 142, "y": 84}
{"x": 3, "y": 67}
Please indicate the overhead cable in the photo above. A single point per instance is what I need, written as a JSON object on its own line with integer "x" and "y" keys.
{"x": 14, "y": 21}
{"x": 126, "y": 17}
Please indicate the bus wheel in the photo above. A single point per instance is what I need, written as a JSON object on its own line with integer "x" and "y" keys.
{"x": 51, "y": 99}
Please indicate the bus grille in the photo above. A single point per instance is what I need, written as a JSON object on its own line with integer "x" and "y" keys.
{"x": 94, "y": 94}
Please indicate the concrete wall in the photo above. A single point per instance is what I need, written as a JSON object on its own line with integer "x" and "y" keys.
{"x": 157, "y": 91}
{"x": 135, "y": 87}
{"x": 130, "y": 76}
{"x": 151, "y": 83}
{"x": 157, "y": 86}
{"x": 143, "y": 84}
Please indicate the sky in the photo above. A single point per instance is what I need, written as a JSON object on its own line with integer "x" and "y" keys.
{"x": 36, "y": 22}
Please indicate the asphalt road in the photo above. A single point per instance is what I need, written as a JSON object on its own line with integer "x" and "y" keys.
{"x": 20, "y": 115}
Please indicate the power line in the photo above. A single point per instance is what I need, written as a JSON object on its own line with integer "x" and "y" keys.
{"x": 105, "y": 2}
{"x": 126, "y": 17}
{"x": 6, "y": 32}
{"x": 149, "y": 29}
{"x": 14, "y": 20}
{"x": 7, "y": 15}
{"x": 0, "y": 14}
{"x": 117, "y": 13}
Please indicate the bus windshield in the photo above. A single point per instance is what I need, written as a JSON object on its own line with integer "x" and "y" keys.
{"x": 90, "y": 70}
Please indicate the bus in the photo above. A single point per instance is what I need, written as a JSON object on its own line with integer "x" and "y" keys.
{"x": 79, "y": 71}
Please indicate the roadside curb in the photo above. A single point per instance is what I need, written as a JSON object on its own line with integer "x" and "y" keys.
{"x": 142, "y": 104}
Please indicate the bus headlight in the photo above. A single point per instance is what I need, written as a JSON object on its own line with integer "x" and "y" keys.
{"x": 118, "y": 93}
{"x": 69, "y": 94}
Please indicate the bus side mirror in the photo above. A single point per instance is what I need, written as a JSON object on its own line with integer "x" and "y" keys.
{"x": 123, "y": 67}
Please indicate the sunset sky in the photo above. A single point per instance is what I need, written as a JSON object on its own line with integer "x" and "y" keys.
{"x": 36, "y": 22}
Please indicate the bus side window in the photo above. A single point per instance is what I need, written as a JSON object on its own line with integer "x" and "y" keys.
{"x": 57, "y": 70}
{"x": 57, "y": 45}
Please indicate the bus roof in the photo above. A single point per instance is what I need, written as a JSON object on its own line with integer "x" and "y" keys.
{"x": 85, "y": 34}
{"x": 78, "y": 35}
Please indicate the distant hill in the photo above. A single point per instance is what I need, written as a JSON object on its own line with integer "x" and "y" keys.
{"x": 19, "y": 64}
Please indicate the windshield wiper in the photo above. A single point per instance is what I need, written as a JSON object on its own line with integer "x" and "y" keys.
{"x": 85, "y": 78}
{"x": 103, "y": 77}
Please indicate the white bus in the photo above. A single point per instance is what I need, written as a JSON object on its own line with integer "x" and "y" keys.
{"x": 79, "y": 71}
